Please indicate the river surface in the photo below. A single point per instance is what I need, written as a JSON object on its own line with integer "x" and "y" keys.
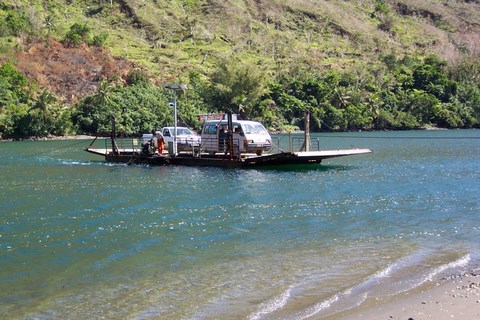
{"x": 84, "y": 239}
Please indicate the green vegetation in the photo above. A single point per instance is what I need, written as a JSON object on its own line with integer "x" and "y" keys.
{"x": 359, "y": 65}
{"x": 80, "y": 33}
{"x": 27, "y": 111}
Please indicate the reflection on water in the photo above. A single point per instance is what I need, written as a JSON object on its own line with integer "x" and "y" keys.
{"x": 81, "y": 237}
{"x": 305, "y": 167}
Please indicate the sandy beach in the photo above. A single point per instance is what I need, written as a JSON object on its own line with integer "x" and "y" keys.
{"x": 456, "y": 297}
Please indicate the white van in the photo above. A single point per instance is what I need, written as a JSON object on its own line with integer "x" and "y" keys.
{"x": 248, "y": 137}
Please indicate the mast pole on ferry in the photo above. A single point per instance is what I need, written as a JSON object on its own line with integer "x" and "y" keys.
{"x": 230, "y": 134}
{"x": 175, "y": 88}
{"x": 113, "y": 136}
{"x": 306, "y": 142}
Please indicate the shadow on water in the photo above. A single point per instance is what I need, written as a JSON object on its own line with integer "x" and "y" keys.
{"x": 305, "y": 167}
{"x": 279, "y": 168}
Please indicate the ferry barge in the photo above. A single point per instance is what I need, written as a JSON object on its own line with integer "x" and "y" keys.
{"x": 227, "y": 142}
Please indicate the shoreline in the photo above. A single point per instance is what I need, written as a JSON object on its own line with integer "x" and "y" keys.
{"x": 52, "y": 138}
{"x": 85, "y": 137}
{"x": 454, "y": 297}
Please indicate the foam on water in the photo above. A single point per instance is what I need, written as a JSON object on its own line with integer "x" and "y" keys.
{"x": 397, "y": 277}
{"x": 462, "y": 262}
{"x": 272, "y": 305}
{"x": 356, "y": 295}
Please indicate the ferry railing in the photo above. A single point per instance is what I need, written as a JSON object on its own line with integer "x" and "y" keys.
{"x": 297, "y": 144}
{"x": 275, "y": 144}
{"x": 186, "y": 145}
{"x": 293, "y": 144}
{"x": 124, "y": 145}
{"x": 216, "y": 145}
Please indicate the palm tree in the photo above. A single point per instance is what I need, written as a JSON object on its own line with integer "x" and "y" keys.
{"x": 45, "y": 106}
{"x": 104, "y": 93}
{"x": 342, "y": 97}
{"x": 44, "y": 102}
{"x": 238, "y": 86}
{"x": 49, "y": 24}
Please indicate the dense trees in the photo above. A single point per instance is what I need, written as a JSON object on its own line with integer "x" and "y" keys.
{"x": 401, "y": 93}
{"x": 397, "y": 93}
{"x": 138, "y": 108}
{"x": 236, "y": 86}
{"x": 26, "y": 111}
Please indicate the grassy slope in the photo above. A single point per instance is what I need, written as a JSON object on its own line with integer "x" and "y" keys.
{"x": 171, "y": 37}
{"x": 282, "y": 34}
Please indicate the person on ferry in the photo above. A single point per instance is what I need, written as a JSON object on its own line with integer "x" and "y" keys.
{"x": 222, "y": 139}
{"x": 153, "y": 141}
{"x": 160, "y": 142}
{"x": 237, "y": 133}
{"x": 149, "y": 147}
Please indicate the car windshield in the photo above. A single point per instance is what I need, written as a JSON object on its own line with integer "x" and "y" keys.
{"x": 184, "y": 132}
{"x": 255, "y": 128}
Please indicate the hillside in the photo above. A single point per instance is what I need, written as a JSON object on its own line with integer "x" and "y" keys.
{"x": 66, "y": 66}
{"x": 170, "y": 38}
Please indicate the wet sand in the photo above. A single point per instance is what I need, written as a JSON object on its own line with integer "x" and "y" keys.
{"x": 456, "y": 297}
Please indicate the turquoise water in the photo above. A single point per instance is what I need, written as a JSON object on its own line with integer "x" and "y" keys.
{"x": 84, "y": 239}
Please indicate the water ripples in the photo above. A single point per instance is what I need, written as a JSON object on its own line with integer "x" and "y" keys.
{"x": 82, "y": 237}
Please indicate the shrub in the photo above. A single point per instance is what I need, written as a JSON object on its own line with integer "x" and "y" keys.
{"x": 381, "y": 7}
{"x": 137, "y": 77}
{"x": 78, "y": 34}
{"x": 99, "y": 40}
{"x": 16, "y": 23}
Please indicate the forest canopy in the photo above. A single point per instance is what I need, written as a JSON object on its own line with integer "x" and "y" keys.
{"x": 407, "y": 94}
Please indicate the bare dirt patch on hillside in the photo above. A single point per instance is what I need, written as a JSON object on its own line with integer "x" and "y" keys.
{"x": 71, "y": 73}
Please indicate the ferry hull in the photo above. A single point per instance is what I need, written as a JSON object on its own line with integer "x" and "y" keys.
{"x": 206, "y": 160}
